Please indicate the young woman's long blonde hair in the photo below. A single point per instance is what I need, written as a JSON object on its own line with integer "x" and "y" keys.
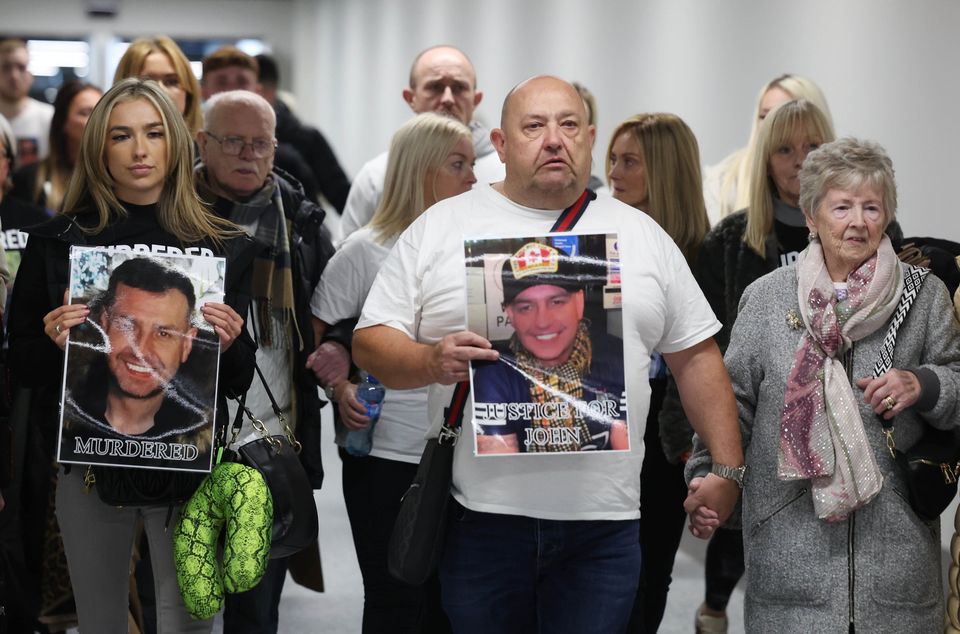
{"x": 671, "y": 159}
{"x": 131, "y": 65}
{"x": 417, "y": 151}
{"x": 92, "y": 188}
{"x": 735, "y": 184}
{"x": 781, "y": 125}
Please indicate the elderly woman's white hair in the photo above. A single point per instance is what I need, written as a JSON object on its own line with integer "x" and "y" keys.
{"x": 847, "y": 164}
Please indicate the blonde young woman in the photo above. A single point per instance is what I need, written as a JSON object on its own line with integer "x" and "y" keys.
{"x": 160, "y": 59}
{"x": 431, "y": 158}
{"x": 133, "y": 188}
{"x": 653, "y": 163}
{"x": 726, "y": 185}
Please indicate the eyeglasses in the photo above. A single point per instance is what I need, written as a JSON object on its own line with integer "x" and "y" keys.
{"x": 233, "y": 145}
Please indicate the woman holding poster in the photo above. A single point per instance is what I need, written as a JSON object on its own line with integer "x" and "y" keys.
{"x": 132, "y": 190}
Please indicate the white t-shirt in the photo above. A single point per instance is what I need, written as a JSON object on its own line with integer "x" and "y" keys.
{"x": 421, "y": 291}
{"x": 401, "y": 431}
{"x": 367, "y": 188}
{"x": 32, "y": 130}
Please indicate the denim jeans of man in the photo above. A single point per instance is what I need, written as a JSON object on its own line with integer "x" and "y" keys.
{"x": 508, "y": 573}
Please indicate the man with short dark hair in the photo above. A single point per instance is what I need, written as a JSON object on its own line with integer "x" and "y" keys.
{"x": 547, "y": 543}
{"x": 29, "y": 118}
{"x": 442, "y": 80}
{"x": 289, "y": 251}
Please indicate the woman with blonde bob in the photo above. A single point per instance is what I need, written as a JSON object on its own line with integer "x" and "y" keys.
{"x": 727, "y": 185}
{"x": 160, "y": 59}
{"x": 431, "y": 158}
{"x": 132, "y": 189}
{"x": 653, "y": 163}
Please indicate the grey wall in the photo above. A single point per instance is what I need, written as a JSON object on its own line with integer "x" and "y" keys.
{"x": 886, "y": 66}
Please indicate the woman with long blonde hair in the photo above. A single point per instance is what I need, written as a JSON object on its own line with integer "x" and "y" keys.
{"x": 431, "y": 158}
{"x": 133, "y": 190}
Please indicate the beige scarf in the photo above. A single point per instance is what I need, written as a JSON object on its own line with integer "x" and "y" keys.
{"x": 822, "y": 437}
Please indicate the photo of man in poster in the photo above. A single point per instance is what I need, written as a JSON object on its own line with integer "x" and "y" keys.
{"x": 128, "y": 398}
{"x": 557, "y": 387}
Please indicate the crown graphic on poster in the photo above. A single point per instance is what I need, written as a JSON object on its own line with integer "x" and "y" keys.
{"x": 534, "y": 258}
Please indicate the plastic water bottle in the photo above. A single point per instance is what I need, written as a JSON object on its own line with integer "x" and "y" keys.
{"x": 370, "y": 393}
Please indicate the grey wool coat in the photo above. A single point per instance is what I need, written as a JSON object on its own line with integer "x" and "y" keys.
{"x": 879, "y": 568}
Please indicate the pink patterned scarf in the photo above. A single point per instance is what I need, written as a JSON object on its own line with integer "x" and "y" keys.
{"x": 821, "y": 434}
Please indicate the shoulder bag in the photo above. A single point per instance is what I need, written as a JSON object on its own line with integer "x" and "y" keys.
{"x": 931, "y": 465}
{"x": 295, "y": 523}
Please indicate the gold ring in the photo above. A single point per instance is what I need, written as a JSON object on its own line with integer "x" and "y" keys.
{"x": 890, "y": 402}
{"x": 57, "y": 328}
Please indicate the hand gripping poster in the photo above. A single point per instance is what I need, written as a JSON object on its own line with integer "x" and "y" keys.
{"x": 140, "y": 375}
{"x": 550, "y": 305}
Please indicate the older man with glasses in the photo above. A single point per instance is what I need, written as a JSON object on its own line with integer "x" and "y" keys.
{"x": 289, "y": 251}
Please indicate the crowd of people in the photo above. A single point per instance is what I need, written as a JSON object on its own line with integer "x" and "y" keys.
{"x": 692, "y": 347}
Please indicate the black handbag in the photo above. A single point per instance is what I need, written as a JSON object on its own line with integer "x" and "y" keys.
{"x": 931, "y": 465}
{"x": 295, "y": 523}
{"x": 418, "y": 532}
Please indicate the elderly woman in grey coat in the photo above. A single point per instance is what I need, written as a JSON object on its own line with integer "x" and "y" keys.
{"x": 832, "y": 545}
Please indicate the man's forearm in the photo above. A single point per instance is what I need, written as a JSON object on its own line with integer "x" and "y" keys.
{"x": 708, "y": 399}
{"x": 397, "y": 361}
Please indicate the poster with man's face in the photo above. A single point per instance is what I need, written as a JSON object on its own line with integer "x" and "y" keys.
{"x": 140, "y": 376}
{"x": 550, "y": 305}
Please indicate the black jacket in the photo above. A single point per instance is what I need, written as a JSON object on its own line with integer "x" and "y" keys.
{"x": 310, "y": 250}
{"x": 313, "y": 147}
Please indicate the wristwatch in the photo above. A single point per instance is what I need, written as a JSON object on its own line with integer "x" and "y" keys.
{"x": 730, "y": 473}
{"x": 329, "y": 391}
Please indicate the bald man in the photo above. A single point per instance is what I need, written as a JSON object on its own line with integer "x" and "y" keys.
{"x": 442, "y": 80}
{"x": 547, "y": 542}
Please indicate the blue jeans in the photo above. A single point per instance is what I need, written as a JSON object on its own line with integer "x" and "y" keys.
{"x": 507, "y": 573}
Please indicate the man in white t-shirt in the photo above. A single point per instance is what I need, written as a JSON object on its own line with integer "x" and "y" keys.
{"x": 442, "y": 80}
{"x": 548, "y": 542}
{"x": 29, "y": 118}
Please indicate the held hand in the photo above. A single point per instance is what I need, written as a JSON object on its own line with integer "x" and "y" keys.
{"x": 891, "y": 393}
{"x": 353, "y": 414}
{"x": 225, "y": 321}
{"x": 58, "y": 322}
{"x": 450, "y": 357}
{"x": 709, "y": 503}
{"x": 330, "y": 363}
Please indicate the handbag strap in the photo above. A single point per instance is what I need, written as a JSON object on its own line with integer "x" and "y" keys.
{"x": 256, "y": 422}
{"x": 912, "y": 282}
{"x": 570, "y": 216}
{"x": 453, "y": 414}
